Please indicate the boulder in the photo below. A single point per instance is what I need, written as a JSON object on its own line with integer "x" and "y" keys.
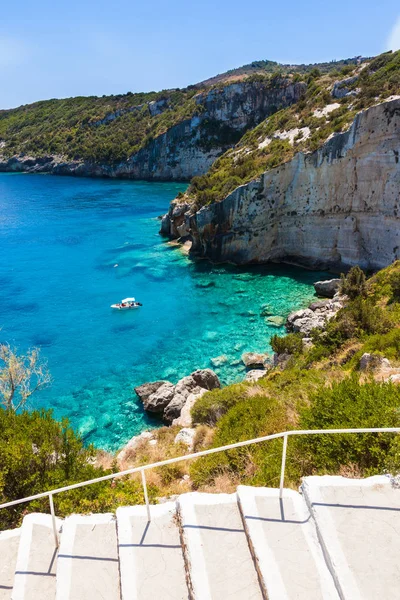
{"x": 206, "y": 378}
{"x": 134, "y": 443}
{"x": 341, "y": 89}
{"x": 146, "y": 389}
{"x": 185, "y": 418}
{"x": 173, "y": 409}
{"x": 373, "y": 361}
{"x": 185, "y": 436}
{"x": 157, "y": 401}
{"x": 327, "y": 288}
{"x": 255, "y": 374}
{"x": 255, "y": 360}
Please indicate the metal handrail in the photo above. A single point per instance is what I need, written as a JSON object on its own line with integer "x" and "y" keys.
{"x": 143, "y": 468}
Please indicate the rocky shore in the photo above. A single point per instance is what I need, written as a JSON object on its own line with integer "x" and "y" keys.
{"x": 173, "y": 403}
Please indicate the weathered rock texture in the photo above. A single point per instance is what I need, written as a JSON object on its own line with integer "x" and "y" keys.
{"x": 336, "y": 207}
{"x": 188, "y": 148}
{"x": 169, "y": 401}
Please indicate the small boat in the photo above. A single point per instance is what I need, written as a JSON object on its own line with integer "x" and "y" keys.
{"x": 126, "y": 304}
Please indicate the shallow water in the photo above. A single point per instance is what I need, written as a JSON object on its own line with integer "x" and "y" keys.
{"x": 71, "y": 247}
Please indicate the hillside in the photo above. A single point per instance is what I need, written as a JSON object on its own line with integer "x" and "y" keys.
{"x": 265, "y": 67}
{"x": 172, "y": 134}
{"x": 314, "y": 184}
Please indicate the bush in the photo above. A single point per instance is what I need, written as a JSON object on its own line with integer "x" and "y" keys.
{"x": 353, "y": 284}
{"x": 38, "y": 453}
{"x": 288, "y": 344}
{"x": 350, "y": 404}
{"x": 213, "y": 405}
{"x": 254, "y": 417}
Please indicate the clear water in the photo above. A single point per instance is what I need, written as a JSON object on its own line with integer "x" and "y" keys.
{"x": 71, "y": 247}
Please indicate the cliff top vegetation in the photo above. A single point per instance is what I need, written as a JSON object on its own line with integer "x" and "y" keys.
{"x": 302, "y": 127}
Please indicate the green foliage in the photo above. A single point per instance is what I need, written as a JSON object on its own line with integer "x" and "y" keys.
{"x": 353, "y": 284}
{"x": 288, "y": 344}
{"x": 350, "y": 404}
{"x": 213, "y": 405}
{"x": 247, "y": 419}
{"x": 38, "y": 453}
{"x": 252, "y": 157}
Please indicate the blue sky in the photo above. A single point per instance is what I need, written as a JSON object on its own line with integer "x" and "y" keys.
{"x": 58, "y": 49}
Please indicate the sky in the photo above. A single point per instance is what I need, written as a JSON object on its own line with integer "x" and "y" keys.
{"x": 58, "y": 49}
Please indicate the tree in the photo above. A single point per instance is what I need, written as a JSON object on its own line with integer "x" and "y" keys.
{"x": 20, "y": 376}
{"x": 353, "y": 284}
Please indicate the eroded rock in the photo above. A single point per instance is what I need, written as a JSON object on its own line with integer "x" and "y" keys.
{"x": 327, "y": 288}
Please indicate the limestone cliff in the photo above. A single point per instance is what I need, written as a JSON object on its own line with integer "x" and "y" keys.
{"x": 220, "y": 117}
{"x": 335, "y": 207}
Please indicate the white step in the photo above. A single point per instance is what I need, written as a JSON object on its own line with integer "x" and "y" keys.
{"x": 88, "y": 559}
{"x": 150, "y": 554}
{"x": 9, "y": 541}
{"x": 285, "y": 544}
{"x": 217, "y": 553}
{"x": 359, "y": 525}
{"x": 35, "y": 571}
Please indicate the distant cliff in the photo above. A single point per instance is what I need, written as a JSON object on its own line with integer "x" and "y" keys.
{"x": 178, "y": 140}
{"x": 335, "y": 207}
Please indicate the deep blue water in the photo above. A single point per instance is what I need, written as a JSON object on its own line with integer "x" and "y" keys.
{"x": 71, "y": 247}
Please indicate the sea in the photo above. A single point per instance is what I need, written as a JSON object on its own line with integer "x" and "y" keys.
{"x": 71, "y": 247}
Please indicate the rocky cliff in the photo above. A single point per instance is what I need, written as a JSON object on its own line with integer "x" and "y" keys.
{"x": 220, "y": 117}
{"x": 335, "y": 207}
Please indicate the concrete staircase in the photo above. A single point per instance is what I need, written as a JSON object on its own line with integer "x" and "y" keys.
{"x": 336, "y": 539}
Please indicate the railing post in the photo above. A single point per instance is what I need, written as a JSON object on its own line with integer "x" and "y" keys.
{"x": 145, "y": 495}
{"x": 53, "y": 518}
{"x": 285, "y": 437}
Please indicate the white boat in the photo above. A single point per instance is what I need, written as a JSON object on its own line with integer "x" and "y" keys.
{"x": 126, "y": 304}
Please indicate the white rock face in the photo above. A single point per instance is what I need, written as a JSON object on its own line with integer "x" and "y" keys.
{"x": 336, "y": 207}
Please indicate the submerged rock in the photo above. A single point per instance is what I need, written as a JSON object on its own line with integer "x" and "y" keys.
{"x": 276, "y": 320}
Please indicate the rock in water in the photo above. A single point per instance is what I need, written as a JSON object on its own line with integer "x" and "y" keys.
{"x": 146, "y": 389}
{"x": 157, "y": 401}
{"x": 255, "y": 360}
{"x": 327, "y": 288}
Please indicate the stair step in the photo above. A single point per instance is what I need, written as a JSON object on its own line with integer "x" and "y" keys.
{"x": 216, "y": 549}
{"x": 358, "y": 521}
{"x": 35, "y": 570}
{"x": 285, "y": 545}
{"x": 150, "y": 553}
{"x": 9, "y": 541}
{"x": 88, "y": 559}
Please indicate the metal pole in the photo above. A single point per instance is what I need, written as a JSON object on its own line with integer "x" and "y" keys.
{"x": 285, "y": 438}
{"x": 145, "y": 495}
{"x": 53, "y": 518}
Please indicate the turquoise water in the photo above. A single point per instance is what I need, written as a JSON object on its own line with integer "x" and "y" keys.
{"x": 71, "y": 247}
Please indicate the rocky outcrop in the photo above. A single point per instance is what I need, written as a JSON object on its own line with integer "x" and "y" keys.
{"x": 327, "y": 288}
{"x": 188, "y": 148}
{"x": 256, "y": 360}
{"x": 170, "y": 400}
{"x": 336, "y": 207}
{"x": 316, "y": 316}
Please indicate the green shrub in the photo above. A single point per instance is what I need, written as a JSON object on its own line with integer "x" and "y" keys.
{"x": 38, "y": 453}
{"x": 353, "y": 284}
{"x": 288, "y": 344}
{"x": 213, "y": 405}
{"x": 350, "y": 404}
{"x": 254, "y": 417}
